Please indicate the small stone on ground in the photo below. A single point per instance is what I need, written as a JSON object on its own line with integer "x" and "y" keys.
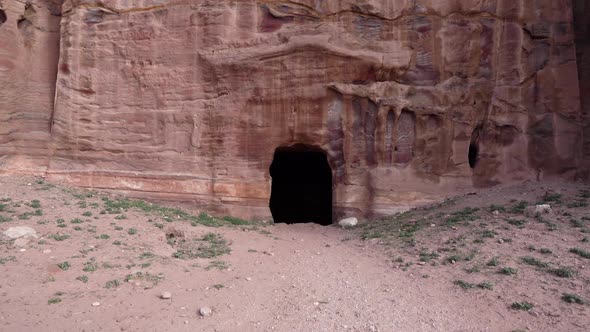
{"x": 533, "y": 211}
{"x": 21, "y": 231}
{"x": 348, "y": 222}
{"x": 205, "y": 311}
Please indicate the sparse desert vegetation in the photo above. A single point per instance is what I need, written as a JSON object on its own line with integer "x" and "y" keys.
{"x": 478, "y": 255}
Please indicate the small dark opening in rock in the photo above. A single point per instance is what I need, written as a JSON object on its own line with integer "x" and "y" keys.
{"x": 22, "y": 23}
{"x": 473, "y": 154}
{"x": 2, "y": 16}
{"x": 301, "y": 186}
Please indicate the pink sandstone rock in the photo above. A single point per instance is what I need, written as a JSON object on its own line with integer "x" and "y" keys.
{"x": 29, "y": 52}
{"x": 188, "y": 100}
{"x": 582, "y": 29}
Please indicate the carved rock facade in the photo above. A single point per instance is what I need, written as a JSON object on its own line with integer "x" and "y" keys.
{"x": 189, "y": 99}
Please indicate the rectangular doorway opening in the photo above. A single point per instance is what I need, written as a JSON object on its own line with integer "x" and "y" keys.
{"x": 301, "y": 186}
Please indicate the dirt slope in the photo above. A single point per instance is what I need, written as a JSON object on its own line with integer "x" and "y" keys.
{"x": 400, "y": 274}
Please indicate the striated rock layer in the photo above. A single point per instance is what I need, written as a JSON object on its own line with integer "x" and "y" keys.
{"x": 582, "y": 29}
{"x": 29, "y": 52}
{"x": 189, "y": 99}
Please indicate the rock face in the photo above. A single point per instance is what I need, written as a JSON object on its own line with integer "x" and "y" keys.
{"x": 29, "y": 52}
{"x": 189, "y": 100}
{"x": 582, "y": 29}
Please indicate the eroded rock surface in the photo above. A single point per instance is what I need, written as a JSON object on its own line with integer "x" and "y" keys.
{"x": 29, "y": 51}
{"x": 582, "y": 29}
{"x": 189, "y": 99}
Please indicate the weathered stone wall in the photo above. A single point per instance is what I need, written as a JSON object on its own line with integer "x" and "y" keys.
{"x": 189, "y": 99}
{"x": 29, "y": 50}
{"x": 582, "y": 29}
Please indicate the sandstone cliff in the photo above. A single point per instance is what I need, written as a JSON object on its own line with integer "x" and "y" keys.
{"x": 29, "y": 51}
{"x": 189, "y": 99}
{"x": 582, "y": 29}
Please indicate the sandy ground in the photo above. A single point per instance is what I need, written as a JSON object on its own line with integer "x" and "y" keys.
{"x": 398, "y": 274}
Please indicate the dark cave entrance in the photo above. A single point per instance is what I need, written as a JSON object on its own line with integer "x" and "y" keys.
{"x": 473, "y": 154}
{"x": 301, "y": 186}
{"x": 2, "y": 16}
